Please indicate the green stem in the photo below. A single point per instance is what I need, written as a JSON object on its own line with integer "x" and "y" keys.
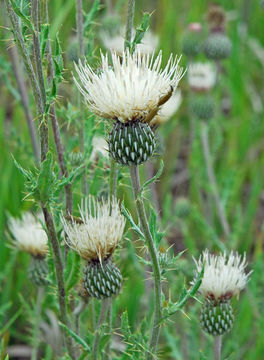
{"x": 134, "y": 174}
{"x": 212, "y": 180}
{"x": 81, "y": 53}
{"x": 113, "y": 179}
{"x": 102, "y": 317}
{"x": 36, "y": 330}
{"x": 217, "y": 347}
{"x": 130, "y": 20}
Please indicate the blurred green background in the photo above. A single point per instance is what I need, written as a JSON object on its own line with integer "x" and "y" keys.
{"x": 237, "y": 145}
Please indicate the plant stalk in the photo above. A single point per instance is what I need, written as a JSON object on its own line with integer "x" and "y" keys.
{"x": 135, "y": 180}
{"x": 57, "y": 258}
{"x": 55, "y": 126}
{"x": 217, "y": 347}
{"x": 212, "y": 180}
{"x": 102, "y": 317}
{"x": 36, "y": 330}
{"x": 130, "y": 21}
{"x": 25, "y": 101}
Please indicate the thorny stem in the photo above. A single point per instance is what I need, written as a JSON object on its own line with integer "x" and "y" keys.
{"x": 36, "y": 330}
{"x": 102, "y": 317}
{"x": 217, "y": 347}
{"x": 212, "y": 180}
{"x": 134, "y": 174}
{"x": 55, "y": 126}
{"x": 44, "y": 142}
{"x": 56, "y": 253}
{"x": 79, "y": 26}
{"x": 130, "y": 20}
{"x": 25, "y": 101}
{"x": 32, "y": 77}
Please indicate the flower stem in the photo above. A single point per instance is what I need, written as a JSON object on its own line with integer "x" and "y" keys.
{"x": 212, "y": 180}
{"x": 55, "y": 124}
{"x": 56, "y": 254}
{"x": 36, "y": 330}
{"x": 102, "y": 317}
{"x": 24, "y": 100}
{"x": 113, "y": 179}
{"x": 217, "y": 347}
{"x": 130, "y": 20}
{"x": 134, "y": 174}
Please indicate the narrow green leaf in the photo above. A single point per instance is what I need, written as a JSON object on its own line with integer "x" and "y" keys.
{"x": 25, "y": 18}
{"x": 127, "y": 215}
{"x": 76, "y": 337}
{"x": 155, "y": 177}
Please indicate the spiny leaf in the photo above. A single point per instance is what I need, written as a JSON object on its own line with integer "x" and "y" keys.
{"x": 127, "y": 215}
{"x": 26, "y": 19}
{"x": 155, "y": 177}
{"x": 140, "y": 31}
{"x": 44, "y": 36}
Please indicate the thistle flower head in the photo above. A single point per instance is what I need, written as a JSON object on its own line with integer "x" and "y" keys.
{"x": 224, "y": 276}
{"x": 29, "y": 235}
{"x": 98, "y": 233}
{"x": 129, "y": 89}
{"x": 168, "y": 109}
{"x": 201, "y": 76}
{"x": 99, "y": 147}
{"x": 115, "y": 43}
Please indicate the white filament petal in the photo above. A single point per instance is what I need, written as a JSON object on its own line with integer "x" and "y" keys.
{"x": 129, "y": 88}
{"x": 99, "y": 233}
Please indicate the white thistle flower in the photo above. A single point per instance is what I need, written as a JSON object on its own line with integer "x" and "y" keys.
{"x": 116, "y": 43}
{"x": 129, "y": 89}
{"x": 168, "y": 109}
{"x": 99, "y": 147}
{"x": 29, "y": 235}
{"x": 98, "y": 233}
{"x": 224, "y": 276}
{"x": 201, "y": 76}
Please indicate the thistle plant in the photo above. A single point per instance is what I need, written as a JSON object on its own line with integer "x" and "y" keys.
{"x": 95, "y": 236}
{"x": 224, "y": 277}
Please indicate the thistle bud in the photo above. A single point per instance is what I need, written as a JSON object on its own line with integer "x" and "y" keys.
{"x": 182, "y": 208}
{"x": 131, "y": 143}
{"x": 217, "y": 46}
{"x": 38, "y": 271}
{"x": 202, "y": 106}
{"x": 192, "y": 42}
{"x": 217, "y": 318}
{"x": 102, "y": 280}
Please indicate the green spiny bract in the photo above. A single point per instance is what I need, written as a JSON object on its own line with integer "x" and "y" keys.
{"x": 38, "y": 271}
{"x": 202, "y": 106}
{"x": 217, "y": 46}
{"x": 131, "y": 143}
{"x": 102, "y": 280}
{"x": 217, "y": 318}
{"x": 191, "y": 44}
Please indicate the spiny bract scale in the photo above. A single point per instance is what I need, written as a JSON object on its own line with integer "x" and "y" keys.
{"x": 102, "y": 280}
{"x": 131, "y": 143}
{"x": 38, "y": 271}
{"x": 217, "y": 319}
